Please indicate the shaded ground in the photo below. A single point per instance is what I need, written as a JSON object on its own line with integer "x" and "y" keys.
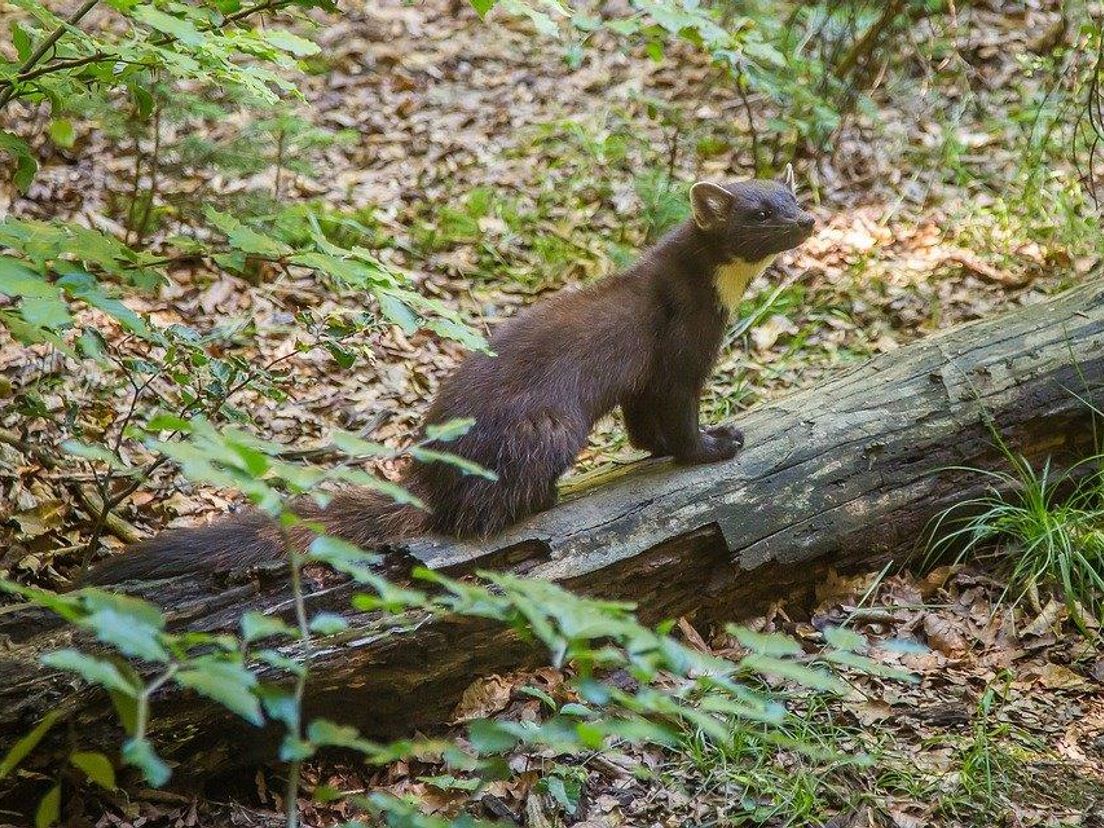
{"x": 1005, "y": 726}
{"x": 493, "y": 172}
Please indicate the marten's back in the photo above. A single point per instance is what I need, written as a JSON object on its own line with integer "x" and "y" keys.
{"x": 572, "y": 353}
{"x": 553, "y": 371}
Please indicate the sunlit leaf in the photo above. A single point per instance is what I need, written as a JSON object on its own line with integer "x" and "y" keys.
{"x": 228, "y": 683}
{"x": 48, "y": 811}
{"x": 26, "y": 744}
{"x": 91, "y": 669}
{"x": 140, "y": 754}
{"x": 96, "y": 767}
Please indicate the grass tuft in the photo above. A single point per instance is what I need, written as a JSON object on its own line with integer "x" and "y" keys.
{"x": 1045, "y": 529}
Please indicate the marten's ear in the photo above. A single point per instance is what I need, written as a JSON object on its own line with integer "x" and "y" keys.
{"x": 711, "y": 204}
{"x": 788, "y": 179}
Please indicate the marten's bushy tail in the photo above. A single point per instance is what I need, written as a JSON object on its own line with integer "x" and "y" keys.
{"x": 363, "y": 517}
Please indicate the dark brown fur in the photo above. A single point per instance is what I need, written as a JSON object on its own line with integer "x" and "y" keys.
{"x": 645, "y": 340}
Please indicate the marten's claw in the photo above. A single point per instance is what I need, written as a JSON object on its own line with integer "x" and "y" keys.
{"x": 726, "y": 432}
{"x": 713, "y": 449}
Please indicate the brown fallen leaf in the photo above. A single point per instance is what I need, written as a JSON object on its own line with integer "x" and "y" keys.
{"x": 901, "y": 819}
{"x": 968, "y": 260}
{"x": 1051, "y": 616}
{"x": 767, "y": 333}
{"x": 944, "y": 636}
{"x": 693, "y": 637}
{"x": 872, "y": 710}
{"x": 1053, "y": 677}
{"x": 482, "y": 698}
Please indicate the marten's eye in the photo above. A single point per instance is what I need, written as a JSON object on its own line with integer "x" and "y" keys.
{"x": 762, "y": 215}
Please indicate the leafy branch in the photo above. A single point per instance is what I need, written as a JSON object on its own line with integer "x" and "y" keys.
{"x": 25, "y": 72}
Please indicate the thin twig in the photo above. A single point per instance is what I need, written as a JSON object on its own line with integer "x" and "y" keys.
{"x": 741, "y": 90}
{"x": 45, "y": 47}
{"x": 865, "y": 44}
{"x": 29, "y": 73}
{"x": 279, "y": 165}
{"x": 154, "y": 166}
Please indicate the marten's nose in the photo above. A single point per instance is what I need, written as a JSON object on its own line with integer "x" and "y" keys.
{"x": 808, "y": 221}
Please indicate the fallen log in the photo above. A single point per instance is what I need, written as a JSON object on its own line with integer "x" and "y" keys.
{"x": 845, "y": 475}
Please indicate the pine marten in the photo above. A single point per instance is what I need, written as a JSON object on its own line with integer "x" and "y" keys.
{"x": 645, "y": 339}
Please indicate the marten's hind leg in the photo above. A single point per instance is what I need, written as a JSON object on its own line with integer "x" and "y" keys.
{"x": 528, "y": 461}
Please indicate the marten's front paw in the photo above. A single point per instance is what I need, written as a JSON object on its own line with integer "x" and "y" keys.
{"x": 726, "y": 432}
{"x": 714, "y": 448}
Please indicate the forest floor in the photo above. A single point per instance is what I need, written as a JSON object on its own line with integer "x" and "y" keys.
{"x": 481, "y": 163}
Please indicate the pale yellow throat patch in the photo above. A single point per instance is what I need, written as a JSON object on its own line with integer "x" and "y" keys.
{"x": 733, "y": 278}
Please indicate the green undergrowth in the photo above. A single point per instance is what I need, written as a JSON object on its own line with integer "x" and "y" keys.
{"x": 1040, "y": 527}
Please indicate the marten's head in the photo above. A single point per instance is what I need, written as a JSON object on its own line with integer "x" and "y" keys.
{"x": 751, "y": 220}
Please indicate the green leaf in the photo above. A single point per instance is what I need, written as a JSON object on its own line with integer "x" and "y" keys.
{"x": 396, "y": 311}
{"x": 25, "y": 164}
{"x": 541, "y": 21}
{"x": 142, "y": 611}
{"x": 49, "y": 807}
{"x": 21, "y": 41}
{"x": 92, "y": 452}
{"x": 325, "y": 732}
{"x": 465, "y": 465}
{"x": 295, "y": 750}
{"x": 805, "y": 676}
{"x": 328, "y": 623}
{"x": 355, "y": 446}
{"x": 288, "y": 42}
{"x": 482, "y": 6}
{"x": 62, "y": 133}
{"x": 275, "y": 658}
{"x": 127, "y": 633}
{"x": 280, "y": 705}
{"x": 167, "y": 422}
{"x": 488, "y": 736}
{"x": 870, "y": 666}
{"x": 558, "y": 789}
{"x": 68, "y": 607}
{"x": 96, "y": 767}
{"x": 139, "y": 753}
{"x": 49, "y": 313}
{"x": 771, "y": 644}
{"x": 257, "y": 625}
{"x": 25, "y": 745}
{"x": 175, "y": 27}
{"x": 31, "y": 334}
{"x": 843, "y": 638}
{"x": 344, "y": 359}
{"x": 393, "y": 490}
{"x": 448, "y": 782}
{"x": 228, "y": 683}
{"x": 91, "y": 669}
{"x": 126, "y": 708}
{"x": 246, "y": 238}
{"x": 446, "y": 432}
{"x": 16, "y": 279}
{"x": 342, "y": 556}
{"x": 82, "y": 285}
{"x": 93, "y": 345}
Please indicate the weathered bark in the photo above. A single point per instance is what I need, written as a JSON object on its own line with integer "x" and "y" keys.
{"x": 845, "y": 475}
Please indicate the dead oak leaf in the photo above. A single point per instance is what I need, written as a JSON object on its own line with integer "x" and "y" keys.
{"x": 482, "y": 698}
{"x": 943, "y": 636}
{"x": 1053, "y": 677}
